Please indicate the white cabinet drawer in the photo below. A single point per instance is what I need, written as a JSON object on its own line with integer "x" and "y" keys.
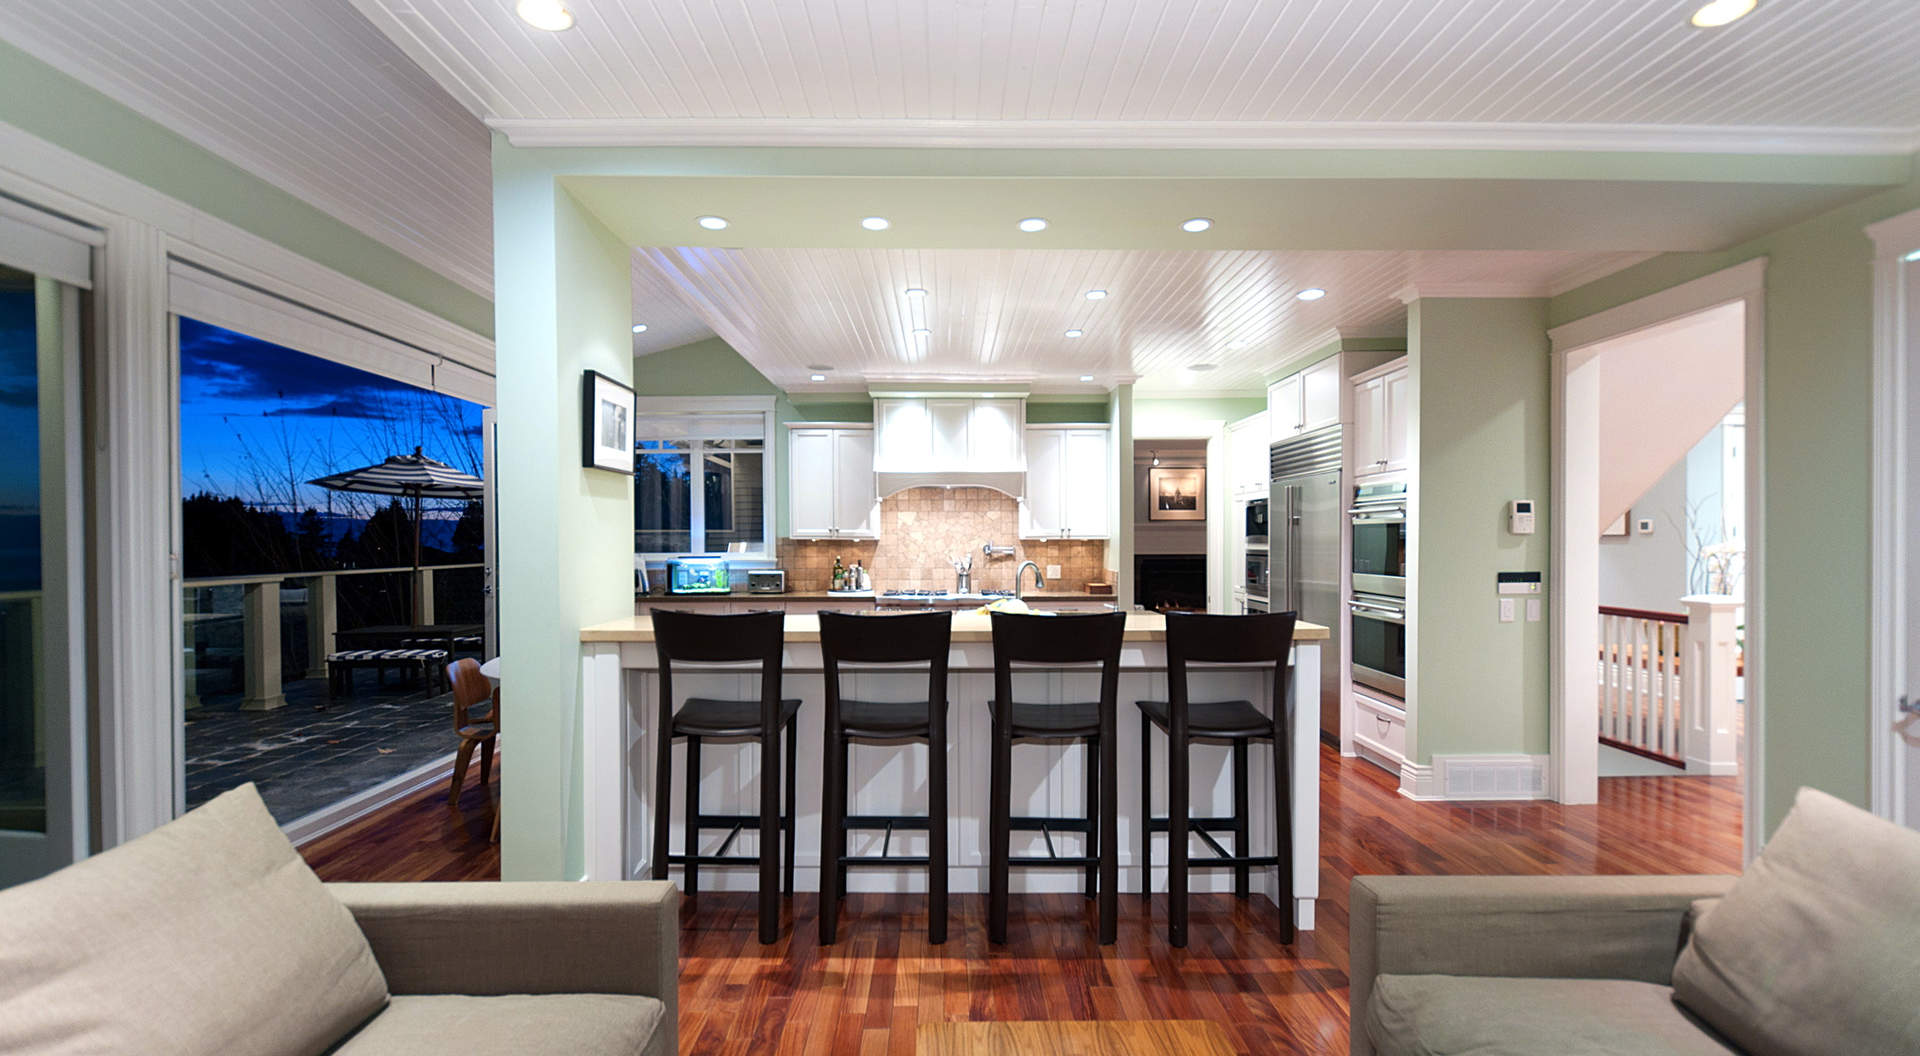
{"x": 1380, "y": 727}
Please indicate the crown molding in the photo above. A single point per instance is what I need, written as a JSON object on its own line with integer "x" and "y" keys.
{"x": 1482, "y": 290}
{"x": 1202, "y": 135}
{"x": 1596, "y": 271}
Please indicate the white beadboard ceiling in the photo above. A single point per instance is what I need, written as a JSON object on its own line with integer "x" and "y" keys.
{"x": 1003, "y": 314}
{"x": 305, "y": 94}
{"x": 1051, "y": 72}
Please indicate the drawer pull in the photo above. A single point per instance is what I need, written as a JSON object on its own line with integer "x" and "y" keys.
{"x": 1385, "y": 724}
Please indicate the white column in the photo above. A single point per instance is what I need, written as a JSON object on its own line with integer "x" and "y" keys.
{"x": 1712, "y": 714}
{"x": 423, "y": 589}
{"x": 262, "y": 633}
{"x": 323, "y": 618}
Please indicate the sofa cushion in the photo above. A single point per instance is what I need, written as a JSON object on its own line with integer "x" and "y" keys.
{"x": 1812, "y": 951}
{"x": 515, "y": 1024}
{"x": 1443, "y": 1015}
{"x": 207, "y": 935}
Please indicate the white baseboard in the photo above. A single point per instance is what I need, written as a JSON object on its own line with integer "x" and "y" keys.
{"x": 355, "y": 807}
{"x": 1705, "y": 768}
{"x": 1418, "y": 782}
{"x": 1616, "y": 763}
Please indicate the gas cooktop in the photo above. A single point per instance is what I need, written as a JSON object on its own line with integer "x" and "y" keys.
{"x": 945, "y": 595}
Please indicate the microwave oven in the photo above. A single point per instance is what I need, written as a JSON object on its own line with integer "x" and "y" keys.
{"x": 1257, "y": 522}
{"x": 698, "y": 575}
{"x": 1379, "y": 518}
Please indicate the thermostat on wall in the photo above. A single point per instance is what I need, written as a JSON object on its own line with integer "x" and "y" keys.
{"x": 1516, "y": 582}
{"x": 1520, "y": 517}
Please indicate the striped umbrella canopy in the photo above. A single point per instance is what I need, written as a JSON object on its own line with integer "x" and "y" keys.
{"x": 413, "y": 477}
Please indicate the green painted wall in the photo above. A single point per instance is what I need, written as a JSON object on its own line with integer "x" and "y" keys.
{"x": 1479, "y": 377}
{"x": 1814, "y": 415}
{"x": 847, "y": 410}
{"x": 566, "y": 533}
{"x": 49, "y": 104}
{"x": 1224, "y": 408}
{"x": 1044, "y": 410}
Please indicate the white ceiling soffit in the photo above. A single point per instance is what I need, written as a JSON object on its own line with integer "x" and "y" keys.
{"x": 1805, "y": 75}
{"x": 308, "y": 96}
{"x": 668, "y": 319}
{"x": 999, "y": 314}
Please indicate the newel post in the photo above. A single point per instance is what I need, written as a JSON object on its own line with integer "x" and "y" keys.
{"x": 1708, "y": 738}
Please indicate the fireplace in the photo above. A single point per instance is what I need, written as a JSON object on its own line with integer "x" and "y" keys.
{"x": 1162, "y": 582}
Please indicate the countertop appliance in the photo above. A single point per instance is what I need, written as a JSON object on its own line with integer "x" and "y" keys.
{"x": 1304, "y": 497}
{"x": 1257, "y": 523}
{"x": 766, "y": 581}
{"x": 1379, "y": 516}
{"x": 698, "y": 575}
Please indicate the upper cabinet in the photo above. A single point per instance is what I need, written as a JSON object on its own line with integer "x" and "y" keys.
{"x": 1247, "y": 443}
{"x": 830, "y": 487}
{"x": 1306, "y": 401}
{"x": 1382, "y": 420}
{"x": 1069, "y": 470}
{"x": 925, "y": 435}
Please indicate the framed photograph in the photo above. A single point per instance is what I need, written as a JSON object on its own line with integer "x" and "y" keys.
{"x": 606, "y": 424}
{"x": 1176, "y": 493}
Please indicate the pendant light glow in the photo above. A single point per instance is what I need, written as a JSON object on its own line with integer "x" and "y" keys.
{"x": 550, "y": 15}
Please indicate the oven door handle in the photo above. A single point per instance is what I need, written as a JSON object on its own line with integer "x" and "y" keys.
{"x": 1378, "y": 514}
{"x": 1379, "y": 612}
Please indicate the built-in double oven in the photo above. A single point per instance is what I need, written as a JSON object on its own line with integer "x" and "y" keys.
{"x": 1258, "y": 574}
{"x": 1378, "y": 608}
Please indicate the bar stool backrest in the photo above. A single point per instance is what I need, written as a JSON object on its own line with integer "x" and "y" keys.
{"x": 1264, "y": 637}
{"x": 1092, "y": 638}
{"x": 722, "y": 638}
{"x": 895, "y": 638}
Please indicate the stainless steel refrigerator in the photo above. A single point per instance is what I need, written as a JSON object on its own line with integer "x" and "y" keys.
{"x": 1306, "y": 520}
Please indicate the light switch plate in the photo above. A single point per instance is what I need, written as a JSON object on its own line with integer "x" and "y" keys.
{"x": 1506, "y": 610}
{"x": 1533, "y": 610}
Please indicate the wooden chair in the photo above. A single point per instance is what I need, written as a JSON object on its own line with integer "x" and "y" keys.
{"x": 476, "y": 720}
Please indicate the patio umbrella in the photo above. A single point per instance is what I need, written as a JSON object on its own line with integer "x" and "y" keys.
{"x": 413, "y": 477}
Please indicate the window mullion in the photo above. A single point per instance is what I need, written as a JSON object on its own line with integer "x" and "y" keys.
{"x": 697, "y": 495}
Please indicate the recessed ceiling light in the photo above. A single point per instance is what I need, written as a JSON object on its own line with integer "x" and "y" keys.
{"x": 915, "y": 291}
{"x": 1201, "y": 367}
{"x": 1235, "y": 346}
{"x": 1196, "y": 225}
{"x": 1912, "y": 257}
{"x": 1096, "y": 295}
{"x": 639, "y": 328}
{"x": 1033, "y": 223}
{"x": 875, "y": 223}
{"x": 1720, "y": 12}
{"x": 1073, "y": 333}
{"x": 1311, "y": 293}
{"x": 1086, "y": 377}
{"x": 819, "y": 377}
{"x": 550, "y": 15}
{"x": 711, "y": 223}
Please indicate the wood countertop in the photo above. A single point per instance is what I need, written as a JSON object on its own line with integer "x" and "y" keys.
{"x": 967, "y": 627}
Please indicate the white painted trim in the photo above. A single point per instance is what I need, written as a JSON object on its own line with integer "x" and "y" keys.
{"x": 1419, "y": 783}
{"x": 1486, "y": 289}
{"x": 360, "y": 804}
{"x": 1744, "y": 282}
{"x": 1893, "y": 238}
{"x": 1228, "y": 135}
{"x": 1599, "y": 270}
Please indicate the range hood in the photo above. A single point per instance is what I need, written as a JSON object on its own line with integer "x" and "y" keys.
{"x": 941, "y": 441}
{"x": 888, "y": 482}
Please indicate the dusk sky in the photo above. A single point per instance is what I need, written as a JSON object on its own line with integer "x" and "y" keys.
{"x": 258, "y": 420}
{"x": 19, "y": 404}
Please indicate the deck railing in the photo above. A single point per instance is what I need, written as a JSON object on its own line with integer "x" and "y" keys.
{"x": 1667, "y": 683}
{"x": 259, "y": 654}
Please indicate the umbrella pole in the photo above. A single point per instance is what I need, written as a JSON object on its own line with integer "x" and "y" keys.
{"x": 417, "y": 607}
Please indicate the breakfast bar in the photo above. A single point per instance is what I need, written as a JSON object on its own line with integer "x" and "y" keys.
{"x": 620, "y": 683}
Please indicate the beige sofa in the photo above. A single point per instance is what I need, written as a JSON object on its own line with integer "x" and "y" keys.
{"x": 1810, "y": 952}
{"x": 211, "y": 936}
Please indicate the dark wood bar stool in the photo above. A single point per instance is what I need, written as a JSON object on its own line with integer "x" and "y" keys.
{"x": 701, "y": 638}
{"x": 1054, "y": 641}
{"x": 876, "y": 639}
{"x": 1192, "y": 638}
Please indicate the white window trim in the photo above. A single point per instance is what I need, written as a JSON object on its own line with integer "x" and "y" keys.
{"x": 770, "y": 486}
{"x": 1893, "y": 239}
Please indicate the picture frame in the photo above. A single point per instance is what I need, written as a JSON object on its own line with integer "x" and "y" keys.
{"x": 1177, "y": 493}
{"x": 606, "y": 423}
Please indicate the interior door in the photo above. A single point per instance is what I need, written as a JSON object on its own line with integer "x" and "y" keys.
{"x": 43, "y": 768}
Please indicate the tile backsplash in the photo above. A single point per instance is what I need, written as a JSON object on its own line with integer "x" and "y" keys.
{"x": 920, "y": 527}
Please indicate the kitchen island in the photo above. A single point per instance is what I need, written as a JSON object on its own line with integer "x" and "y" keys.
{"x": 620, "y": 686}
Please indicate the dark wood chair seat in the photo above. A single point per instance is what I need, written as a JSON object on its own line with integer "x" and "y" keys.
{"x": 1219, "y": 720}
{"x": 1043, "y": 721}
{"x": 885, "y": 718}
{"x": 710, "y": 717}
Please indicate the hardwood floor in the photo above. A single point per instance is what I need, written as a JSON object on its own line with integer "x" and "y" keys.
{"x": 871, "y": 990}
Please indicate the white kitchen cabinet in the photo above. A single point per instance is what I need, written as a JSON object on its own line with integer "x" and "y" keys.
{"x": 1247, "y": 443}
{"x": 1320, "y": 395}
{"x": 830, "y": 488}
{"x": 1284, "y": 409}
{"x": 1381, "y": 421}
{"x": 1068, "y": 475}
{"x": 944, "y": 434}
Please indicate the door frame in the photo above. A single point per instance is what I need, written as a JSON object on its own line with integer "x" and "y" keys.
{"x": 1895, "y": 241}
{"x": 1573, "y": 769}
{"x": 1219, "y": 497}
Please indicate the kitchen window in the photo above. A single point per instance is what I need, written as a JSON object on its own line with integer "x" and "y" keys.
{"x": 702, "y": 482}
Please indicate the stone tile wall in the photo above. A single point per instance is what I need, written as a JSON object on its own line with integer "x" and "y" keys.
{"x": 920, "y": 527}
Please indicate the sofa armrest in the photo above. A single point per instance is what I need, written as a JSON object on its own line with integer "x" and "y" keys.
{"x": 1573, "y": 927}
{"x": 523, "y": 938}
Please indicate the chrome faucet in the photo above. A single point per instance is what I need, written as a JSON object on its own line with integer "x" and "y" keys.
{"x": 1039, "y": 581}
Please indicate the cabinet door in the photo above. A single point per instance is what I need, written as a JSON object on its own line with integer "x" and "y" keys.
{"x": 853, "y": 482}
{"x": 1248, "y": 446}
{"x": 1320, "y": 394}
{"x": 1369, "y": 423}
{"x": 950, "y": 419}
{"x": 1041, "y": 514}
{"x": 904, "y": 440}
{"x": 1084, "y": 500}
{"x": 810, "y": 465}
{"x": 1397, "y": 421}
{"x": 1283, "y": 408}
{"x": 994, "y": 432}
